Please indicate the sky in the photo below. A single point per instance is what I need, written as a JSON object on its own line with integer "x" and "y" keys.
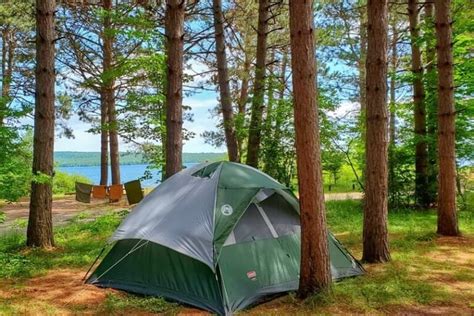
{"x": 200, "y": 103}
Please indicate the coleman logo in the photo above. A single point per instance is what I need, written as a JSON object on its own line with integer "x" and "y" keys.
{"x": 226, "y": 210}
{"x": 252, "y": 275}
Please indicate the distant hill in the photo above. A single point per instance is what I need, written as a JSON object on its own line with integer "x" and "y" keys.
{"x": 79, "y": 158}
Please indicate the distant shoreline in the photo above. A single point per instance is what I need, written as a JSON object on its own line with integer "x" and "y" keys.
{"x": 92, "y": 159}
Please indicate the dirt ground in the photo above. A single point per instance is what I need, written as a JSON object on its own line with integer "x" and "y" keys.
{"x": 64, "y": 209}
{"x": 62, "y": 291}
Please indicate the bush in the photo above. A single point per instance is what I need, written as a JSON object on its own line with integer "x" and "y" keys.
{"x": 65, "y": 182}
{"x": 15, "y": 165}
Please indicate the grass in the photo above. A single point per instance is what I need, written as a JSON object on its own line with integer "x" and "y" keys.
{"x": 425, "y": 271}
{"x": 117, "y": 303}
{"x": 77, "y": 245}
{"x": 408, "y": 280}
{"x": 346, "y": 181}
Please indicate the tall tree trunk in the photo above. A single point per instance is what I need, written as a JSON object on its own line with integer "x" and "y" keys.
{"x": 104, "y": 106}
{"x": 244, "y": 89}
{"x": 392, "y": 130}
{"x": 174, "y": 25}
{"x": 431, "y": 106}
{"x": 114, "y": 142}
{"x": 362, "y": 66}
{"x": 281, "y": 95}
{"x": 8, "y": 53}
{"x": 40, "y": 225}
{"x": 104, "y": 142}
{"x": 447, "y": 219}
{"x": 375, "y": 206}
{"x": 270, "y": 86}
{"x": 421, "y": 153}
{"x": 393, "y": 82}
{"x": 224, "y": 86}
{"x": 242, "y": 104}
{"x": 108, "y": 93}
{"x": 315, "y": 273}
{"x": 258, "y": 102}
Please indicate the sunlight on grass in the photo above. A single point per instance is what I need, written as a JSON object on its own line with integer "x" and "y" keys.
{"x": 77, "y": 245}
{"x": 420, "y": 274}
{"x": 118, "y": 303}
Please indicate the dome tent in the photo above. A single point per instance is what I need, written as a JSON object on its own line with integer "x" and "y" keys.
{"x": 219, "y": 236}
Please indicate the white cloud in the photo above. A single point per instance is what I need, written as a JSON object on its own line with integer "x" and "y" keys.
{"x": 345, "y": 109}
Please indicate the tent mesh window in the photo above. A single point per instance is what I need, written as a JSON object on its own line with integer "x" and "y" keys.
{"x": 271, "y": 218}
{"x": 282, "y": 216}
{"x": 207, "y": 171}
{"x": 251, "y": 226}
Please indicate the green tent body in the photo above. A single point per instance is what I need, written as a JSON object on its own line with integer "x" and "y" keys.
{"x": 219, "y": 236}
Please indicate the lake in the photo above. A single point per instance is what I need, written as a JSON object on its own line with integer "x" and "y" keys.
{"x": 127, "y": 173}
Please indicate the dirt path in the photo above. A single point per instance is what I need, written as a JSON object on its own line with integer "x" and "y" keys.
{"x": 64, "y": 209}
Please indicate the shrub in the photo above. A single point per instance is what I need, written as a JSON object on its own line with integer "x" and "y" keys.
{"x": 65, "y": 182}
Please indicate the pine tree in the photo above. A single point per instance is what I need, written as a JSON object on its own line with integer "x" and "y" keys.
{"x": 174, "y": 29}
{"x": 421, "y": 150}
{"x": 258, "y": 102}
{"x": 447, "y": 219}
{"x": 40, "y": 224}
{"x": 224, "y": 85}
{"x": 376, "y": 147}
{"x": 315, "y": 272}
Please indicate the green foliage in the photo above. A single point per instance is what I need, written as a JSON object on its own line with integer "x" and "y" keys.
{"x": 15, "y": 164}
{"x": 3, "y": 217}
{"x": 278, "y": 149}
{"x": 65, "y": 183}
{"x": 346, "y": 181}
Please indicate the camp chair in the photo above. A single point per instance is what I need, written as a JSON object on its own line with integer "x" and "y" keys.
{"x": 115, "y": 192}
{"x": 99, "y": 191}
{"x": 134, "y": 191}
{"x": 83, "y": 192}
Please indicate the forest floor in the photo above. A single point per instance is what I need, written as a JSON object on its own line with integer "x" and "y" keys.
{"x": 428, "y": 274}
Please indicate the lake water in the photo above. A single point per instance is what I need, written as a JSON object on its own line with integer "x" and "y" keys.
{"x": 127, "y": 173}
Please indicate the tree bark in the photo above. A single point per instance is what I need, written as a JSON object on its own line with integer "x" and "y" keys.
{"x": 315, "y": 273}
{"x": 375, "y": 207}
{"x": 224, "y": 86}
{"x": 8, "y": 53}
{"x": 421, "y": 153}
{"x": 104, "y": 106}
{"x": 431, "y": 106}
{"x": 108, "y": 93}
{"x": 242, "y": 104}
{"x": 114, "y": 142}
{"x": 447, "y": 219}
{"x": 104, "y": 142}
{"x": 393, "y": 83}
{"x": 392, "y": 129}
{"x": 175, "y": 10}
{"x": 258, "y": 104}
{"x": 40, "y": 225}
{"x": 362, "y": 66}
